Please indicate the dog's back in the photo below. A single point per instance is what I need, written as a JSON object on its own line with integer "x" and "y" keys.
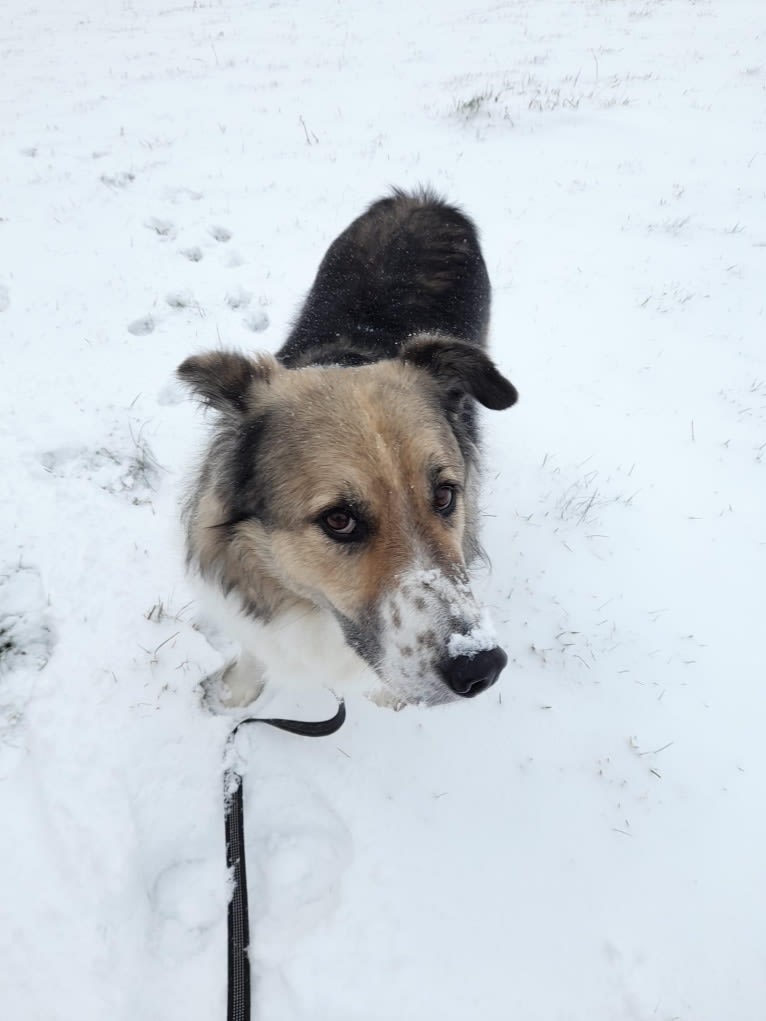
{"x": 410, "y": 264}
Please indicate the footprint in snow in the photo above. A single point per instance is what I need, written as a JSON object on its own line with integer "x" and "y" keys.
{"x": 164, "y": 229}
{"x": 180, "y": 193}
{"x": 297, "y": 866}
{"x": 193, "y": 254}
{"x": 222, "y": 234}
{"x": 257, "y": 321}
{"x": 25, "y": 635}
{"x": 26, "y": 644}
{"x": 141, "y": 327}
{"x": 126, "y": 467}
{"x": 189, "y": 899}
{"x": 171, "y": 393}
{"x": 119, "y": 180}
{"x": 181, "y": 299}
{"x": 238, "y": 297}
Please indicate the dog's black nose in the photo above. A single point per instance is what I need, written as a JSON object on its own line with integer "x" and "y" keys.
{"x": 470, "y": 675}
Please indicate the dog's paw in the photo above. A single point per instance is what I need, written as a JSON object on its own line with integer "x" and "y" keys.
{"x": 234, "y": 686}
{"x": 212, "y": 690}
{"x": 385, "y": 699}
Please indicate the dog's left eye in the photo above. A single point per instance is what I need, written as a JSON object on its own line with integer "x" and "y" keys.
{"x": 444, "y": 500}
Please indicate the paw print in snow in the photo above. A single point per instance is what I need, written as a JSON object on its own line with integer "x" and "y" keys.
{"x": 141, "y": 327}
{"x": 25, "y": 635}
{"x": 127, "y": 467}
{"x": 164, "y": 229}
{"x": 257, "y": 321}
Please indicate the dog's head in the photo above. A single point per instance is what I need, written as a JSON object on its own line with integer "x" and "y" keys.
{"x": 353, "y": 489}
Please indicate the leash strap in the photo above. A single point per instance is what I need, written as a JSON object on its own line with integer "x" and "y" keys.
{"x": 238, "y": 1008}
{"x": 238, "y": 1003}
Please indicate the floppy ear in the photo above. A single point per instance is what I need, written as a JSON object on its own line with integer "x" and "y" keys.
{"x": 461, "y": 368}
{"x": 223, "y": 378}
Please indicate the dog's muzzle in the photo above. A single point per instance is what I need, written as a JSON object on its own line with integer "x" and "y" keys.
{"x": 468, "y": 676}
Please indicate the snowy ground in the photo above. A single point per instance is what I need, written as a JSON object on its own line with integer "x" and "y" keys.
{"x": 585, "y": 843}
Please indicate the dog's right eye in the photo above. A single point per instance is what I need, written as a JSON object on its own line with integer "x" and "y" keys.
{"x": 341, "y": 525}
{"x": 340, "y": 521}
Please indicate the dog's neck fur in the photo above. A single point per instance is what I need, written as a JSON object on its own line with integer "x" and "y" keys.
{"x": 302, "y": 646}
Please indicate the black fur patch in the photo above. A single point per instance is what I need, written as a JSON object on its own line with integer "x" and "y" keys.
{"x": 461, "y": 369}
{"x": 410, "y": 264}
{"x": 464, "y": 374}
{"x": 242, "y": 484}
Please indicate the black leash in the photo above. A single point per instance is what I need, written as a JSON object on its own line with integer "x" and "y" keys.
{"x": 239, "y": 926}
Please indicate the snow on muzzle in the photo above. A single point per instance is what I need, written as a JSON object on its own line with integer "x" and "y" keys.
{"x": 436, "y": 643}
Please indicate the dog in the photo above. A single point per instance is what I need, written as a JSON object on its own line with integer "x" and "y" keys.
{"x": 333, "y": 517}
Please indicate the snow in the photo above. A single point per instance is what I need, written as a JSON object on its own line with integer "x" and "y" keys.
{"x": 481, "y": 636}
{"x": 586, "y": 841}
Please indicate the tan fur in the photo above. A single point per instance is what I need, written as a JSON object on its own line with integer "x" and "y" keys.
{"x": 372, "y": 430}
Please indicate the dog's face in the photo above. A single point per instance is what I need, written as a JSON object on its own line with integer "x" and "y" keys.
{"x": 353, "y": 489}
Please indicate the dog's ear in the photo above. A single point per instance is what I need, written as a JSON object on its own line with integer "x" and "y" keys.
{"x": 223, "y": 379}
{"x": 461, "y": 368}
